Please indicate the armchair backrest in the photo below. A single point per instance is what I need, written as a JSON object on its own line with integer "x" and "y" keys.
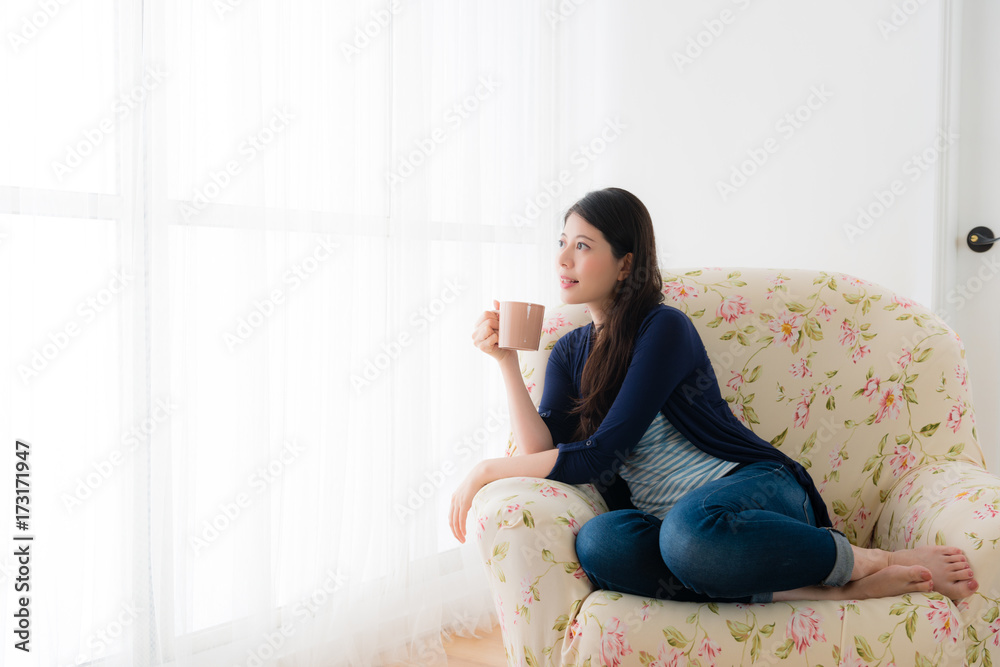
{"x": 858, "y": 384}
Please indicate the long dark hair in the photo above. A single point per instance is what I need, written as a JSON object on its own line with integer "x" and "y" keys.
{"x": 628, "y": 227}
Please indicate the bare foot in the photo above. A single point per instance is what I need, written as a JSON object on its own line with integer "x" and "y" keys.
{"x": 890, "y": 581}
{"x": 886, "y": 582}
{"x": 950, "y": 571}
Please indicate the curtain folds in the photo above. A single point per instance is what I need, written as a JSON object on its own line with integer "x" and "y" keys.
{"x": 270, "y": 227}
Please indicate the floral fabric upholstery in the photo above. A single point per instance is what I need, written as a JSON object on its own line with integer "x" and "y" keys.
{"x": 867, "y": 389}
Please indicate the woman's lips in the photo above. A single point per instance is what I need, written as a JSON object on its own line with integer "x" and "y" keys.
{"x": 567, "y": 283}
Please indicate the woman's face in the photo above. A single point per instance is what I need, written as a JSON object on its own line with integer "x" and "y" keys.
{"x": 585, "y": 256}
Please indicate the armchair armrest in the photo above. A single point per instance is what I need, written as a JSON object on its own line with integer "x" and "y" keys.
{"x": 526, "y": 528}
{"x": 955, "y": 503}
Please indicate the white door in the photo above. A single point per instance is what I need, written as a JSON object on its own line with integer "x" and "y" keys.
{"x": 969, "y": 295}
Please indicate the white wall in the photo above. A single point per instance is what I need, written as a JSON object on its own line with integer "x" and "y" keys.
{"x": 689, "y": 124}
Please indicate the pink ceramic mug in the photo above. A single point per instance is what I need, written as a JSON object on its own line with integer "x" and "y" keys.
{"x": 520, "y": 325}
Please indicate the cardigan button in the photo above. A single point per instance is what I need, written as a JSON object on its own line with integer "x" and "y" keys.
{"x": 589, "y": 442}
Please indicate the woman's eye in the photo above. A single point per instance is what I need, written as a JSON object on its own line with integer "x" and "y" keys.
{"x": 581, "y": 243}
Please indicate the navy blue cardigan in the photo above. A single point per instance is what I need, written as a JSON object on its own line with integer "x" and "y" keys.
{"x": 669, "y": 372}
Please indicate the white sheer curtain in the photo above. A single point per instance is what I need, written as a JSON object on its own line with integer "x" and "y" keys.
{"x": 238, "y": 314}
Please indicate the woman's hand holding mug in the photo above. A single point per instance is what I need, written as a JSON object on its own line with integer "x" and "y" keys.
{"x": 486, "y": 335}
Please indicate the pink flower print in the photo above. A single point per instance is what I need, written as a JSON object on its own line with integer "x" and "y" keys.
{"x": 962, "y": 373}
{"x": 905, "y": 490}
{"x": 860, "y": 353}
{"x": 822, "y": 486}
{"x": 552, "y": 492}
{"x": 481, "y": 526}
{"x": 872, "y": 387}
{"x": 579, "y": 573}
{"x": 575, "y": 629}
{"x": 902, "y": 461}
{"x": 891, "y": 403}
{"x": 905, "y": 358}
{"x": 553, "y": 324}
{"x": 513, "y": 507}
{"x": 863, "y": 516}
{"x": 736, "y": 381}
{"x": 645, "y": 610}
{"x": 995, "y": 631}
{"x": 668, "y": 657}
{"x": 531, "y": 387}
{"x": 903, "y": 301}
{"x": 911, "y": 527}
{"x": 826, "y": 312}
{"x": 678, "y": 291}
{"x": 614, "y": 645}
{"x": 800, "y": 369}
{"x": 851, "y": 280}
{"x": 803, "y": 628}
{"x": 527, "y": 594}
{"x": 737, "y": 409}
{"x": 786, "y": 327}
{"x": 574, "y": 524}
{"x": 835, "y": 460}
{"x": 802, "y": 410}
{"x": 942, "y": 621}
{"x": 988, "y": 512}
{"x": 732, "y": 308}
{"x": 955, "y": 418}
{"x": 709, "y": 650}
{"x": 848, "y": 335}
{"x": 777, "y": 280}
{"x": 826, "y": 390}
{"x": 842, "y": 608}
{"x": 851, "y": 659}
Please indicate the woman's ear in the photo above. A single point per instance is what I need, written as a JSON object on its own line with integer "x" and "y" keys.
{"x": 627, "y": 268}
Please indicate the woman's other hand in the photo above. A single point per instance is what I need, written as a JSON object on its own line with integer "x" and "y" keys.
{"x": 486, "y": 335}
{"x": 461, "y": 501}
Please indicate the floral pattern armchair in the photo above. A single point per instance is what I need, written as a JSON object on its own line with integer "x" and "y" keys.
{"x": 868, "y": 390}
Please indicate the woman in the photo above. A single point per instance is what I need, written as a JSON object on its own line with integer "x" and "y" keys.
{"x": 701, "y": 508}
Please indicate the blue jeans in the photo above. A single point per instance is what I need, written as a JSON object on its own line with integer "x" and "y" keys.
{"x": 739, "y": 538}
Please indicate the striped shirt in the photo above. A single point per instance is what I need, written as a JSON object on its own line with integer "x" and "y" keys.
{"x": 665, "y": 465}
